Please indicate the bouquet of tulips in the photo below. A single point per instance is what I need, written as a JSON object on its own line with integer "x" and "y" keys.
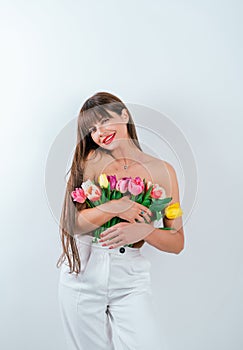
{"x": 150, "y": 195}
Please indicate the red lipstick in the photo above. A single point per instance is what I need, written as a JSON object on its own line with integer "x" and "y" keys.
{"x": 108, "y": 139}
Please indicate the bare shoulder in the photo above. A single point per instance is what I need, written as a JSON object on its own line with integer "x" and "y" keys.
{"x": 156, "y": 164}
{"x": 170, "y": 169}
{"x": 160, "y": 164}
{"x": 172, "y": 185}
{"x": 92, "y": 164}
{"x": 164, "y": 173}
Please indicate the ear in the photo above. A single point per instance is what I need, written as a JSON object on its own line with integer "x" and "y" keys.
{"x": 125, "y": 115}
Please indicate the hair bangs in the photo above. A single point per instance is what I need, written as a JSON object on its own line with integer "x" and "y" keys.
{"x": 92, "y": 116}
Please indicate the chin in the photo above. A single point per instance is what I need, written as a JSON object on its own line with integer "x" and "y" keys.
{"x": 111, "y": 146}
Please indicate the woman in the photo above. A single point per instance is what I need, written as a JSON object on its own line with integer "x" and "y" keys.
{"x": 105, "y": 298}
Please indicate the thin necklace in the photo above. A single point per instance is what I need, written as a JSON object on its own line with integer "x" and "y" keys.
{"x": 125, "y": 166}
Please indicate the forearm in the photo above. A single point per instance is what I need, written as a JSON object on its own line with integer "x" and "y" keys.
{"x": 165, "y": 240}
{"x": 90, "y": 219}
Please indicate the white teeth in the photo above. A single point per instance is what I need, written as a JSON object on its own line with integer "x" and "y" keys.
{"x": 109, "y": 138}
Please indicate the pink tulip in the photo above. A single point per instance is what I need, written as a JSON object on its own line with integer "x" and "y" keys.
{"x": 112, "y": 180}
{"x": 78, "y": 195}
{"x": 92, "y": 191}
{"x": 122, "y": 184}
{"x": 158, "y": 192}
{"x": 136, "y": 186}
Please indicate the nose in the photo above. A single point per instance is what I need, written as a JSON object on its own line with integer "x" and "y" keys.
{"x": 100, "y": 130}
{"x": 99, "y": 133}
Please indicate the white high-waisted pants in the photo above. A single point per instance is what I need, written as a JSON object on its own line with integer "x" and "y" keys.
{"x": 109, "y": 305}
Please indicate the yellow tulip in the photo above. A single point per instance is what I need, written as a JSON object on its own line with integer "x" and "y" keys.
{"x": 103, "y": 181}
{"x": 173, "y": 211}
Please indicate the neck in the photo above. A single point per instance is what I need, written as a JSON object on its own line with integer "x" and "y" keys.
{"x": 125, "y": 151}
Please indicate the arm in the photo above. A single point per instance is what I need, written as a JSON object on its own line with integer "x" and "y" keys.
{"x": 171, "y": 241}
{"x": 90, "y": 219}
{"x": 165, "y": 240}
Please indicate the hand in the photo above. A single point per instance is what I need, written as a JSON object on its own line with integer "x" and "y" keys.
{"x": 125, "y": 233}
{"x": 129, "y": 210}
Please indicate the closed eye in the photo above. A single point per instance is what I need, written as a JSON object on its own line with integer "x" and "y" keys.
{"x": 102, "y": 122}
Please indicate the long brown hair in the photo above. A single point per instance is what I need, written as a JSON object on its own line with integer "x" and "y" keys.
{"x": 94, "y": 109}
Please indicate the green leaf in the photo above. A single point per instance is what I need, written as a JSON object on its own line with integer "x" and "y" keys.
{"x": 129, "y": 245}
{"x": 90, "y": 204}
{"x": 133, "y": 197}
{"x": 109, "y": 191}
{"x": 114, "y": 221}
{"x": 103, "y": 196}
{"x": 140, "y": 198}
{"x": 113, "y": 194}
{"x": 118, "y": 195}
{"x": 167, "y": 228}
{"x": 146, "y": 203}
{"x": 156, "y": 207}
{"x": 162, "y": 201}
{"x": 158, "y": 215}
{"x": 147, "y": 194}
{"x": 159, "y": 204}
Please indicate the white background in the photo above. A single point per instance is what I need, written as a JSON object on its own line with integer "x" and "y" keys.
{"x": 183, "y": 59}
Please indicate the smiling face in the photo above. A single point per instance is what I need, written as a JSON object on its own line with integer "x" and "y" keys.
{"x": 108, "y": 132}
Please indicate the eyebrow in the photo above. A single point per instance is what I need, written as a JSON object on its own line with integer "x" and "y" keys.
{"x": 102, "y": 119}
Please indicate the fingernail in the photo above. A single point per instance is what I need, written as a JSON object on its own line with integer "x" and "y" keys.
{"x": 110, "y": 247}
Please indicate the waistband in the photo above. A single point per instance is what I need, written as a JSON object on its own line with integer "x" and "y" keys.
{"x": 97, "y": 247}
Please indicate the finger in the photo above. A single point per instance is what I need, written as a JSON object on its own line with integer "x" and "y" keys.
{"x": 144, "y": 214}
{"x": 147, "y": 217}
{"x": 131, "y": 220}
{"x": 116, "y": 245}
{"x": 140, "y": 218}
{"x": 112, "y": 241}
{"x": 146, "y": 210}
{"x": 109, "y": 230}
{"x": 109, "y": 236}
